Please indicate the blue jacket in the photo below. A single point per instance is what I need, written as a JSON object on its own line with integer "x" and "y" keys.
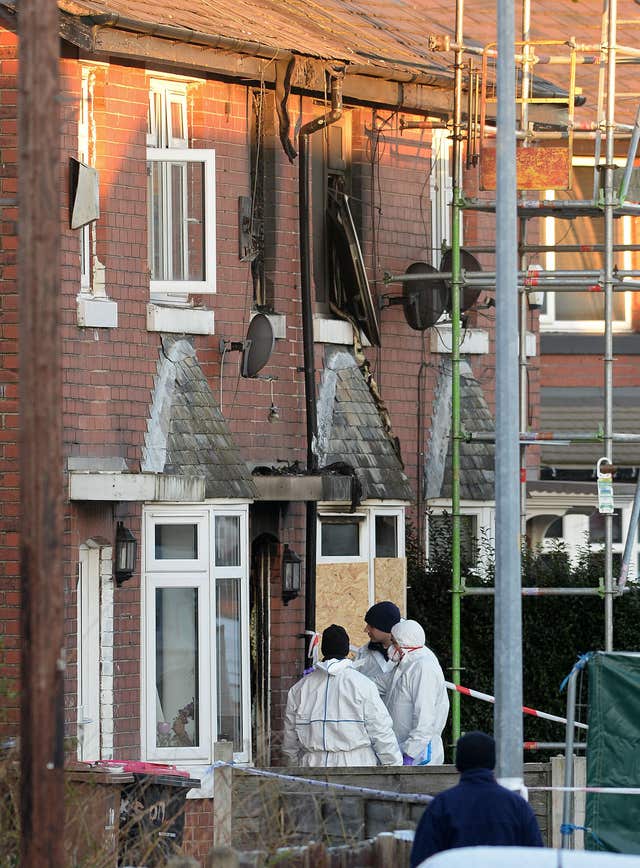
{"x": 475, "y": 812}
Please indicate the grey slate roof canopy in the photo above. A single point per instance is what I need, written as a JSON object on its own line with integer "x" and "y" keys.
{"x": 477, "y": 476}
{"x": 582, "y": 410}
{"x": 187, "y": 434}
{"x": 350, "y": 430}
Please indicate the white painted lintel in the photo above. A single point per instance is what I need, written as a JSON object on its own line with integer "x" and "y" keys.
{"x": 147, "y": 487}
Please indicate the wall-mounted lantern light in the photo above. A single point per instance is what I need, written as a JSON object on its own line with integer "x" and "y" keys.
{"x": 125, "y": 554}
{"x": 291, "y": 575}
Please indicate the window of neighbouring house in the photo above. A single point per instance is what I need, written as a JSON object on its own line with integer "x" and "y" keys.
{"x": 583, "y": 311}
{"x": 477, "y": 534}
{"x": 196, "y": 633}
{"x": 180, "y": 198}
{"x": 582, "y": 528}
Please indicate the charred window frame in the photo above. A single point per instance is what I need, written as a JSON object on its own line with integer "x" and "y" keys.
{"x": 331, "y": 173}
{"x": 258, "y": 211}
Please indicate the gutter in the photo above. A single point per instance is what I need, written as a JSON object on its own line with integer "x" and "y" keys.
{"x": 258, "y": 49}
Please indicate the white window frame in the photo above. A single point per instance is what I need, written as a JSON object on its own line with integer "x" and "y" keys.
{"x": 88, "y": 654}
{"x": 362, "y": 518}
{"x": 83, "y": 155}
{"x": 180, "y": 289}
{"x": 441, "y": 194}
{"x": 399, "y": 513}
{"x": 548, "y": 322}
{"x": 201, "y": 574}
{"x": 163, "y": 145}
{"x": 160, "y": 132}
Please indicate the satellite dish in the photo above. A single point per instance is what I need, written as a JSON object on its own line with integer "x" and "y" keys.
{"x": 258, "y": 345}
{"x": 424, "y": 300}
{"x": 468, "y": 262}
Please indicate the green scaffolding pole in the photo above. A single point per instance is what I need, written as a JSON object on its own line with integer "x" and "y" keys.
{"x": 456, "y": 433}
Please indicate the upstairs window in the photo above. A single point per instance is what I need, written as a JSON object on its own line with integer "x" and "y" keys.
{"x": 583, "y": 311}
{"x": 181, "y": 200}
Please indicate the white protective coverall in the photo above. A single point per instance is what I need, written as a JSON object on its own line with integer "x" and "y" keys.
{"x": 375, "y": 666}
{"x": 417, "y": 699}
{"x": 334, "y": 717}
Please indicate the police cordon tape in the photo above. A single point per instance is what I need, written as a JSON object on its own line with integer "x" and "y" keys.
{"x": 467, "y": 691}
{"x": 314, "y": 646}
{"x": 409, "y": 797}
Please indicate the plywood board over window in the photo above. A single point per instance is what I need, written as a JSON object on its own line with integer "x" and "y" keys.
{"x": 342, "y": 597}
{"x": 390, "y": 581}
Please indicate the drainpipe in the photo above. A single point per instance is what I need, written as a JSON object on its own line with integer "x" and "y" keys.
{"x": 306, "y": 131}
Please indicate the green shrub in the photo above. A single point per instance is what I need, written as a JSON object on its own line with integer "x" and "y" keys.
{"x": 555, "y": 630}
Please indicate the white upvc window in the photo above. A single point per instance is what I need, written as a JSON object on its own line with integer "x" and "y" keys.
{"x": 440, "y": 194}
{"x": 180, "y": 200}
{"x": 84, "y": 156}
{"x": 196, "y": 647}
{"x": 88, "y": 650}
{"x": 349, "y": 537}
{"x": 577, "y": 529}
{"x": 583, "y": 311}
{"x": 342, "y": 537}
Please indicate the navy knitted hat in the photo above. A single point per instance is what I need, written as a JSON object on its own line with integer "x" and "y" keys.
{"x": 383, "y": 616}
{"x": 335, "y": 643}
{"x": 475, "y": 750}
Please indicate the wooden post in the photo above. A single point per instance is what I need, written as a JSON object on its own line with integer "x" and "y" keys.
{"x": 41, "y": 474}
{"x": 222, "y": 795}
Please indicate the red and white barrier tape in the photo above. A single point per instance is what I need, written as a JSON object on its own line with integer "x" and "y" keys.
{"x": 620, "y": 791}
{"x": 467, "y": 691}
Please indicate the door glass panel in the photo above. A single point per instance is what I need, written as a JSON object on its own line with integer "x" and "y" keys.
{"x": 176, "y": 542}
{"x": 177, "y": 701}
{"x": 227, "y": 541}
{"x": 228, "y": 661}
{"x": 386, "y": 536}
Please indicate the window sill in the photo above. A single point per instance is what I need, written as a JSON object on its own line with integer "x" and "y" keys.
{"x": 96, "y": 312}
{"x": 177, "y": 320}
{"x": 332, "y": 331}
{"x": 473, "y": 341}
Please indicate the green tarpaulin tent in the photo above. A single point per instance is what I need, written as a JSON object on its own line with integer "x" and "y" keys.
{"x": 613, "y": 751}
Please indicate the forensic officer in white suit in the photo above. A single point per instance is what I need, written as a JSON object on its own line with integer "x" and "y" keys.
{"x": 417, "y": 698}
{"x": 372, "y": 659}
{"x": 334, "y": 715}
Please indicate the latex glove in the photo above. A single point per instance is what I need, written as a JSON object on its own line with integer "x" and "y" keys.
{"x": 407, "y": 760}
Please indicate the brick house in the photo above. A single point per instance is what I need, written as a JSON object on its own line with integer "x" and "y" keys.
{"x": 191, "y": 118}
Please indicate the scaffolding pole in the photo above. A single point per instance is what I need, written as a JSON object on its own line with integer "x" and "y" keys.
{"x": 508, "y": 603}
{"x": 609, "y": 206}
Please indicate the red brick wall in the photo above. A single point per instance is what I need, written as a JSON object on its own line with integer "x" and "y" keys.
{"x": 109, "y": 373}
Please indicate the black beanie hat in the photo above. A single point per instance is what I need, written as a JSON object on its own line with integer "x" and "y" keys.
{"x": 335, "y": 643}
{"x": 383, "y": 616}
{"x": 475, "y": 750}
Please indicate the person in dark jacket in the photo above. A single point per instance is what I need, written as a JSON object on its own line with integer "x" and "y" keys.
{"x": 478, "y": 811}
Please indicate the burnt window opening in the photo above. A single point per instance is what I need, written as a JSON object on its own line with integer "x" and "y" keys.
{"x": 339, "y": 272}
{"x": 331, "y": 173}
